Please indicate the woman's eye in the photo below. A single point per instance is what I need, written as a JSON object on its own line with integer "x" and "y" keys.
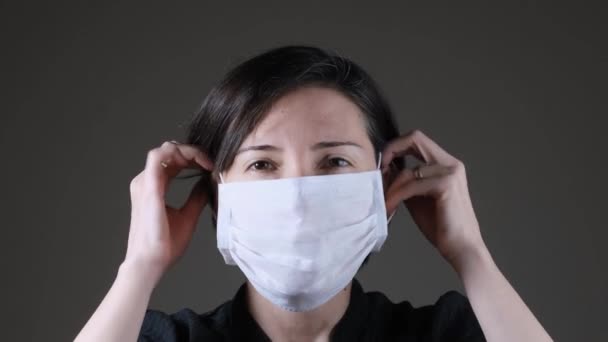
{"x": 260, "y": 165}
{"x": 338, "y": 162}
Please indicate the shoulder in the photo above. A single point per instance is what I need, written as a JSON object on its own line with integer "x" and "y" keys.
{"x": 185, "y": 325}
{"x": 450, "y": 318}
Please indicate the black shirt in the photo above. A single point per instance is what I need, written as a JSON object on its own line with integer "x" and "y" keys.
{"x": 370, "y": 316}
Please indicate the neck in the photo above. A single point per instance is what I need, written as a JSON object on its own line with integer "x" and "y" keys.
{"x": 283, "y": 325}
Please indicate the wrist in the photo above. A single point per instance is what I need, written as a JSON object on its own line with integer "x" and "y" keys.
{"x": 141, "y": 274}
{"x": 471, "y": 260}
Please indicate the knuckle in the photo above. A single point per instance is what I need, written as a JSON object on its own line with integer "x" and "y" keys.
{"x": 446, "y": 183}
{"x": 459, "y": 167}
{"x": 167, "y": 144}
{"x": 201, "y": 153}
{"x": 152, "y": 154}
{"x": 134, "y": 185}
{"x": 417, "y": 133}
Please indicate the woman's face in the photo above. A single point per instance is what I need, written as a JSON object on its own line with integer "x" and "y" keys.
{"x": 310, "y": 131}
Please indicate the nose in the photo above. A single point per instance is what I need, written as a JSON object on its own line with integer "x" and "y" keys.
{"x": 297, "y": 169}
{"x": 298, "y": 166}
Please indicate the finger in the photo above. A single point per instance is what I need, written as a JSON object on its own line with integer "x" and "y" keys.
{"x": 195, "y": 203}
{"x": 194, "y": 156}
{"x": 178, "y": 157}
{"x": 426, "y": 171}
{"x": 190, "y": 213}
{"x": 407, "y": 186}
{"x": 193, "y": 153}
{"x": 391, "y": 198}
{"x": 417, "y": 144}
{"x": 156, "y": 177}
{"x": 425, "y": 187}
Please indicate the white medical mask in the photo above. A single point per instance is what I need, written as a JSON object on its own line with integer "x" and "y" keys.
{"x": 301, "y": 240}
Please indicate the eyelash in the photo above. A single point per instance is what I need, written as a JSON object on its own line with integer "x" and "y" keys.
{"x": 268, "y": 163}
{"x": 252, "y": 165}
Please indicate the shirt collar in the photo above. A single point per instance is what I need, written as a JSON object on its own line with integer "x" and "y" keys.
{"x": 243, "y": 326}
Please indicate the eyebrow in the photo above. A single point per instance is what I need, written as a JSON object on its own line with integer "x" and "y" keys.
{"x": 258, "y": 148}
{"x": 327, "y": 144}
{"x": 317, "y": 146}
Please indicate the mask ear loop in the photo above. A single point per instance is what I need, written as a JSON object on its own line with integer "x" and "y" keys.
{"x": 221, "y": 182}
{"x": 378, "y": 167}
{"x": 391, "y": 217}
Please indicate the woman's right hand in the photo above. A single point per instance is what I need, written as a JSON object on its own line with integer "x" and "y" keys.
{"x": 159, "y": 233}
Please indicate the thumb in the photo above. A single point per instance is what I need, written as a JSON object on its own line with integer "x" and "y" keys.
{"x": 195, "y": 203}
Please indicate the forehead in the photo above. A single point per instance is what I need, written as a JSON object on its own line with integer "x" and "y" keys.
{"x": 314, "y": 112}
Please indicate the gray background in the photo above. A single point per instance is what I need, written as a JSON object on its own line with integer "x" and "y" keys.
{"x": 517, "y": 92}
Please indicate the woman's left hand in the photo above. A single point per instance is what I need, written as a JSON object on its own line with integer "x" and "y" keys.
{"x": 439, "y": 202}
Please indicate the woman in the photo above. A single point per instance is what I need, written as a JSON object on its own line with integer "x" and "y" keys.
{"x": 303, "y": 166}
